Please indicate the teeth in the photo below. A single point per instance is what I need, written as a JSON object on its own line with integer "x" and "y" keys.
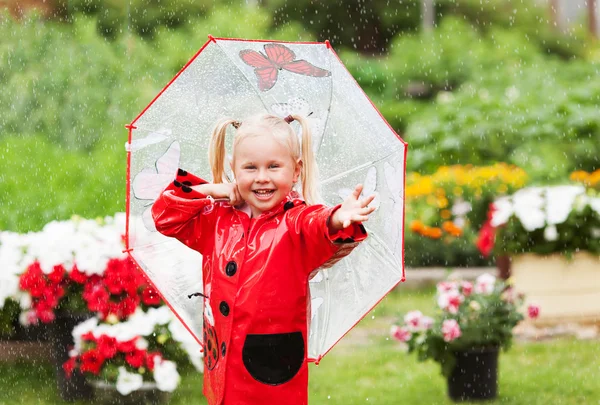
{"x": 263, "y": 192}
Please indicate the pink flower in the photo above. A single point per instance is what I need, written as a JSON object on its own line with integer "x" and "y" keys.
{"x": 466, "y": 288}
{"x": 400, "y": 334}
{"x": 450, "y": 301}
{"x": 412, "y": 320}
{"x": 446, "y": 286}
{"x": 415, "y": 321}
{"x": 533, "y": 311}
{"x": 450, "y": 330}
{"x": 485, "y": 284}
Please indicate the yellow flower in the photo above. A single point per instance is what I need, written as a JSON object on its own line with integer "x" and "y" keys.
{"x": 579, "y": 176}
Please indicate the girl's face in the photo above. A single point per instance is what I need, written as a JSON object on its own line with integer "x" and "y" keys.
{"x": 265, "y": 172}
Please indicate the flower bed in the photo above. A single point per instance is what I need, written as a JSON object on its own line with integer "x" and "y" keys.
{"x": 445, "y": 210}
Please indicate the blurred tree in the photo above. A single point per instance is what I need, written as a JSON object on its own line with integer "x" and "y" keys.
{"x": 592, "y": 24}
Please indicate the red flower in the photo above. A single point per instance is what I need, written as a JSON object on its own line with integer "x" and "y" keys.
{"x": 77, "y": 276}
{"x": 95, "y": 295}
{"x": 91, "y": 362}
{"x": 136, "y": 358}
{"x": 127, "y": 346}
{"x": 533, "y": 311}
{"x": 45, "y": 315}
{"x": 88, "y": 336}
{"x": 57, "y": 274}
{"x": 487, "y": 234}
{"x": 150, "y": 359}
{"x": 150, "y": 296}
{"x": 107, "y": 346}
{"x": 33, "y": 280}
{"x": 69, "y": 365}
{"x": 113, "y": 276}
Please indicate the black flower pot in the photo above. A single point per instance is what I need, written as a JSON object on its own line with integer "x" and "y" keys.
{"x": 61, "y": 340}
{"x": 475, "y": 375}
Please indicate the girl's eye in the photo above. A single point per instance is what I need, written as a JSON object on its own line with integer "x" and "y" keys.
{"x": 274, "y": 165}
{"x": 250, "y": 167}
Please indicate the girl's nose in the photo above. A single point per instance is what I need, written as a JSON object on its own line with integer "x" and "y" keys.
{"x": 262, "y": 176}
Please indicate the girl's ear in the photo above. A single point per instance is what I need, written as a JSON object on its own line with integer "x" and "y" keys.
{"x": 297, "y": 170}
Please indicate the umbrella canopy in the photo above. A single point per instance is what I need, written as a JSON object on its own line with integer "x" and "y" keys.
{"x": 352, "y": 142}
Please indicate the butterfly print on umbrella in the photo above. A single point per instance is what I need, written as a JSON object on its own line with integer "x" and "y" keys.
{"x": 278, "y": 57}
{"x": 151, "y": 181}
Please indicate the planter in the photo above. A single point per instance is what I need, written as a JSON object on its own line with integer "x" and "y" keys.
{"x": 61, "y": 340}
{"x": 566, "y": 290}
{"x": 475, "y": 375}
{"x": 105, "y": 394}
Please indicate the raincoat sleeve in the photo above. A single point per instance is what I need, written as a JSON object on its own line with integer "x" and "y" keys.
{"x": 184, "y": 213}
{"x": 319, "y": 247}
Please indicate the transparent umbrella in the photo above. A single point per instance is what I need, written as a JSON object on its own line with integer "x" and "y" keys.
{"x": 353, "y": 144}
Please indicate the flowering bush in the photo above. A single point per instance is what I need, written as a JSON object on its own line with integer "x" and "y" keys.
{"x": 479, "y": 315}
{"x": 544, "y": 220}
{"x": 449, "y": 206}
{"x": 75, "y": 265}
{"x": 147, "y": 347}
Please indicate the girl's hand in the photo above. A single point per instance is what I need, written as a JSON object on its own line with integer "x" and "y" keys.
{"x": 352, "y": 210}
{"x": 221, "y": 190}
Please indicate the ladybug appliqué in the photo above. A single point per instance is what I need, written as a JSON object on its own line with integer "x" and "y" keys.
{"x": 211, "y": 341}
{"x": 211, "y": 346}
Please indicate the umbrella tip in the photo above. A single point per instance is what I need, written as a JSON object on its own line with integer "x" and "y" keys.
{"x": 403, "y": 279}
{"x": 211, "y": 38}
{"x": 328, "y": 44}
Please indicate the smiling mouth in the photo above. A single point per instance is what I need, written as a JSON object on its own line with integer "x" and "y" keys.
{"x": 263, "y": 194}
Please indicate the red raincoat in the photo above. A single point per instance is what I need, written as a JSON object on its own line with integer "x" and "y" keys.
{"x": 255, "y": 274}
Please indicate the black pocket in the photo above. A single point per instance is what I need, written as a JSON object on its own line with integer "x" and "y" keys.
{"x": 274, "y": 358}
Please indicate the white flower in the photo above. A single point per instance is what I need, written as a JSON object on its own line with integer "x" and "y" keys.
{"x": 461, "y": 207}
{"x": 528, "y": 204}
{"x": 141, "y": 343}
{"x": 485, "y": 284}
{"x": 550, "y": 233}
{"x": 503, "y": 211}
{"x": 161, "y": 315}
{"x": 9, "y": 286}
{"x": 166, "y": 375}
{"x": 128, "y": 382}
{"x": 179, "y": 332}
{"x": 475, "y": 306}
{"x": 559, "y": 202}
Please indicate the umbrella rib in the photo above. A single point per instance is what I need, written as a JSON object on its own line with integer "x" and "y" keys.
{"x": 357, "y": 168}
{"x": 242, "y": 73}
{"x": 328, "y": 108}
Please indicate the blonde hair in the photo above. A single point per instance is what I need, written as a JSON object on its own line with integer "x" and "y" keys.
{"x": 283, "y": 132}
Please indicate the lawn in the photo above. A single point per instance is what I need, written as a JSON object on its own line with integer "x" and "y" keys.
{"x": 368, "y": 368}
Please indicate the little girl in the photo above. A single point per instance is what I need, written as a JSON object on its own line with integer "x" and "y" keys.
{"x": 259, "y": 249}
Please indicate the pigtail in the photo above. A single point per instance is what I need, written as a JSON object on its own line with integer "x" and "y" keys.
{"x": 309, "y": 173}
{"x": 216, "y": 150}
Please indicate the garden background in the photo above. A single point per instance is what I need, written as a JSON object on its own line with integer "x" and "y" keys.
{"x": 491, "y": 96}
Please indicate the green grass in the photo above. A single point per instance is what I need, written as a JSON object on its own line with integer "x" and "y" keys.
{"x": 368, "y": 368}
